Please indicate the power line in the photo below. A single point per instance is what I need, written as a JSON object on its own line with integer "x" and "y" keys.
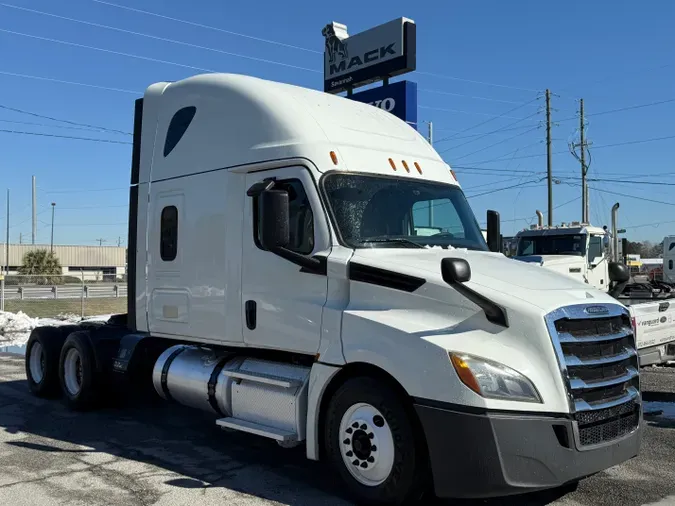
{"x": 480, "y": 136}
{"x": 484, "y": 134}
{"x": 90, "y": 139}
{"x": 426, "y": 90}
{"x": 155, "y": 37}
{"x": 58, "y": 225}
{"x": 656, "y": 224}
{"x": 621, "y": 109}
{"x": 634, "y": 197}
{"x": 506, "y": 156}
{"x": 85, "y": 190}
{"x": 496, "y": 143}
{"x": 91, "y": 207}
{"x": 519, "y": 185}
{"x": 61, "y": 81}
{"x": 46, "y": 125}
{"x": 470, "y": 112}
{"x": 624, "y": 143}
{"x": 200, "y": 25}
{"x": 75, "y": 123}
{"x": 492, "y": 119}
{"x": 110, "y": 51}
{"x": 453, "y": 78}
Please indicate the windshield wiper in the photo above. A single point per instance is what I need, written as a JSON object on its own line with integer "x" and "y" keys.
{"x": 393, "y": 240}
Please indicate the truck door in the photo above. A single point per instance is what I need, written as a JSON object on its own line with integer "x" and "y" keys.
{"x": 281, "y": 304}
{"x": 598, "y": 269}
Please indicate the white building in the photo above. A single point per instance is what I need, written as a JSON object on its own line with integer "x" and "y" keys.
{"x": 102, "y": 263}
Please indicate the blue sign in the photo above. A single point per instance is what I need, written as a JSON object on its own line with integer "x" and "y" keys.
{"x": 399, "y": 98}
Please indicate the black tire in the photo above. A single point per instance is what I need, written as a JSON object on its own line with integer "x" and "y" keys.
{"x": 50, "y": 339}
{"x": 87, "y": 375}
{"x": 409, "y": 477}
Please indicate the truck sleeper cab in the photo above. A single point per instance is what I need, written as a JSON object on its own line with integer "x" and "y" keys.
{"x": 308, "y": 269}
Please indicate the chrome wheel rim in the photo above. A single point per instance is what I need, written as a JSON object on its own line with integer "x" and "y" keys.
{"x": 36, "y": 362}
{"x": 366, "y": 444}
{"x": 72, "y": 371}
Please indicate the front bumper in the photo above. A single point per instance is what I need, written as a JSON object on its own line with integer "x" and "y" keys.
{"x": 478, "y": 455}
{"x": 658, "y": 354}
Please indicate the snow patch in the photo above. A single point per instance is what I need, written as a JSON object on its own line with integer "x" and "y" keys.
{"x": 15, "y": 328}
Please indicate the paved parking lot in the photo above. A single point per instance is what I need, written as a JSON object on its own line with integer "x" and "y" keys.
{"x": 152, "y": 453}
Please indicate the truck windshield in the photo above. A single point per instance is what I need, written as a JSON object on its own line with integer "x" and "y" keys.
{"x": 552, "y": 245}
{"x": 386, "y": 212}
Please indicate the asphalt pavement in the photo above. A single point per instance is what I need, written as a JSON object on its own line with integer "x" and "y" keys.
{"x": 153, "y": 453}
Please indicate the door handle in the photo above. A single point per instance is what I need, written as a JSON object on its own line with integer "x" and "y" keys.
{"x": 250, "y": 309}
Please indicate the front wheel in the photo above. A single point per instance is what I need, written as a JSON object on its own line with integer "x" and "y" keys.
{"x": 371, "y": 442}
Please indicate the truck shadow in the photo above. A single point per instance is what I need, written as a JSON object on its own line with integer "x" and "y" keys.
{"x": 181, "y": 445}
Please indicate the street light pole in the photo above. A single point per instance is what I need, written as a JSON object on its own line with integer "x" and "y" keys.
{"x": 51, "y": 247}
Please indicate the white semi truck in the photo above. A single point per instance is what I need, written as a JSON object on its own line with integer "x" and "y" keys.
{"x": 278, "y": 280}
{"x": 590, "y": 255}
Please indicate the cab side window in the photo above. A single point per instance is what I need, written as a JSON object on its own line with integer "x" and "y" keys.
{"x": 595, "y": 248}
{"x": 168, "y": 237}
{"x": 301, "y": 217}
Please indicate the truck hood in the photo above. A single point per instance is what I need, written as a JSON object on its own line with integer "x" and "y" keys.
{"x": 490, "y": 272}
{"x": 569, "y": 265}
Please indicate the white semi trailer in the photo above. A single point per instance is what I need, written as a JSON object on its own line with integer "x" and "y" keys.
{"x": 282, "y": 278}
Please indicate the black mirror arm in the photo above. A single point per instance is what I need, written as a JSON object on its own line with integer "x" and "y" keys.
{"x": 310, "y": 264}
{"x": 493, "y": 312}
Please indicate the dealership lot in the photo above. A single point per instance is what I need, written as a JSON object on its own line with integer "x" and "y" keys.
{"x": 153, "y": 453}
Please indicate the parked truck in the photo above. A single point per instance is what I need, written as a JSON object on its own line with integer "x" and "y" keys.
{"x": 590, "y": 255}
{"x": 277, "y": 279}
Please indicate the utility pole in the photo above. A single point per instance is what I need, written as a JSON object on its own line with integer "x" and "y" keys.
{"x": 51, "y": 247}
{"x": 584, "y": 169}
{"x": 7, "y": 238}
{"x": 101, "y": 241}
{"x": 20, "y": 238}
{"x": 549, "y": 169}
{"x": 119, "y": 241}
{"x": 34, "y": 233}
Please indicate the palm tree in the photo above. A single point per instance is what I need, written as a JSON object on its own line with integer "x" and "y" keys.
{"x": 41, "y": 267}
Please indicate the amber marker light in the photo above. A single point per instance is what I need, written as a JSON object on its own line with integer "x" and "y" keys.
{"x": 464, "y": 373}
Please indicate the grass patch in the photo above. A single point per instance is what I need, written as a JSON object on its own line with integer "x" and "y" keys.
{"x": 51, "y": 308}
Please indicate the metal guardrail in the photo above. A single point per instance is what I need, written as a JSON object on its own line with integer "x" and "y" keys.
{"x": 33, "y": 292}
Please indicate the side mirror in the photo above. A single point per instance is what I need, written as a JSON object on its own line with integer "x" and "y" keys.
{"x": 618, "y": 272}
{"x": 455, "y": 270}
{"x": 274, "y": 219}
{"x": 494, "y": 236}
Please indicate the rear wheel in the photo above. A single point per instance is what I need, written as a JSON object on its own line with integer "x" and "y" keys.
{"x": 42, "y": 361}
{"x": 371, "y": 442}
{"x": 77, "y": 372}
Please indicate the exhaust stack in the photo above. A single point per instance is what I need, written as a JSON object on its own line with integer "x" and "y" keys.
{"x": 540, "y": 218}
{"x": 615, "y": 237}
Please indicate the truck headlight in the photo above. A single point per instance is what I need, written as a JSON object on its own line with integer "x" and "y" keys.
{"x": 493, "y": 380}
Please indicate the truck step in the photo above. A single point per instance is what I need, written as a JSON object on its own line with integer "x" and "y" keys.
{"x": 257, "y": 429}
{"x": 268, "y": 379}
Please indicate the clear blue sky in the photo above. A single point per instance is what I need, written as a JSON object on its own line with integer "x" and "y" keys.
{"x": 614, "y": 54}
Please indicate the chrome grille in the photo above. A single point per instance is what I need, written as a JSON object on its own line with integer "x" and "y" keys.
{"x": 598, "y": 359}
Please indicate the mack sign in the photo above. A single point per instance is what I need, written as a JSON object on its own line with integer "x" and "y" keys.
{"x": 379, "y": 53}
{"x": 399, "y": 98}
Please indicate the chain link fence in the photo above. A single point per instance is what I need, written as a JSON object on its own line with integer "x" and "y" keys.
{"x": 52, "y": 296}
